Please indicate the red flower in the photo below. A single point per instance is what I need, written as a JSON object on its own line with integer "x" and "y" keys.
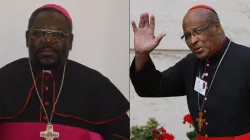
{"x": 155, "y": 133}
{"x": 163, "y": 130}
{"x": 168, "y": 136}
{"x": 161, "y": 134}
{"x": 188, "y": 118}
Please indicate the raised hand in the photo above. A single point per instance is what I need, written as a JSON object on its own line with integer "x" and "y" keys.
{"x": 144, "y": 38}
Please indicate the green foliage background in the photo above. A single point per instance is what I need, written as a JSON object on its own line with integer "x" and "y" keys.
{"x": 144, "y": 132}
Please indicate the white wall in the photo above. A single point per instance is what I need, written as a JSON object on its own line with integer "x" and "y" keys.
{"x": 234, "y": 15}
{"x": 101, "y": 29}
{"x": 170, "y": 111}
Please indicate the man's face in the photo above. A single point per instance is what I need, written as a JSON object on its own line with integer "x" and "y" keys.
{"x": 49, "y": 40}
{"x": 201, "y": 35}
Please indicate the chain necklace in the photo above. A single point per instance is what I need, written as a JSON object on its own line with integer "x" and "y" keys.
{"x": 49, "y": 134}
{"x": 200, "y": 108}
{"x": 200, "y": 118}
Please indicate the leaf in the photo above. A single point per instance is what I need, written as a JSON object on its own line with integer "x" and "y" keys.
{"x": 191, "y": 135}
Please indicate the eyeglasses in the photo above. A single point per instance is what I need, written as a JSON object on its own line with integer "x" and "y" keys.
{"x": 196, "y": 32}
{"x": 42, "y": 33}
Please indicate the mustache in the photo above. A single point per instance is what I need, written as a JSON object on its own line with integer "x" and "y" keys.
{"x": 46, "y": 48}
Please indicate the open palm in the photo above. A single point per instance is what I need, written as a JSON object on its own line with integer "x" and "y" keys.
{"x": 144, "y": 38}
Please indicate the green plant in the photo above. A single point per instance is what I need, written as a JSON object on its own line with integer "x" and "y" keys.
{"x": 144, "y": 132}
{"x": 150, "y": 131}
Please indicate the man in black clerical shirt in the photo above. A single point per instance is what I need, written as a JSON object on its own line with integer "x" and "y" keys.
{"x": 215, "y": 77}
{"x": 47, "y": 96}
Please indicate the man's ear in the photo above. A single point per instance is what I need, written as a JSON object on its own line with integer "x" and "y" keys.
{"x": 27, "y": 35}
{"x": 218, "y": 27}
{"x": 71, "y": 38}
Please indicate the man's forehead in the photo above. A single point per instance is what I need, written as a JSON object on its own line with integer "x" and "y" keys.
{"x": 48, "y": 14}
{"x": 50, "y": 18}
{"x": 195, "y": 17}
{"x": 56, "y": 7}
{"x": 198, "y": 13}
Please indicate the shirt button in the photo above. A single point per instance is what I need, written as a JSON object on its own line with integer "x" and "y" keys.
{"x": 47, "y": 77}
{"x": 44, "y": 118}
{"x": 46, "y": 103}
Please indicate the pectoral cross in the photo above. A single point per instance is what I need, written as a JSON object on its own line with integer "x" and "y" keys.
{"x": 49, "y": 134}
{"x": 200, "y": 120}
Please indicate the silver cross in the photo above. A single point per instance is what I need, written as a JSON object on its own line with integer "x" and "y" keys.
{"x": 49, "y": 134}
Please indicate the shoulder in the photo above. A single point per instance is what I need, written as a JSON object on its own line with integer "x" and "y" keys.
{"x": 240, "y": 50}
{"x": 189, "y": 58}
{"x": 19, "y": 64}
{"x": 239, "y": 46}
{"x": 80, "y": 71}
{"x": 97, "y": 90}
{"x": 238, "y": 54}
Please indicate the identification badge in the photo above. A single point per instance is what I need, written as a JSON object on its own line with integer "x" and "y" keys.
{"x": 200, "y": 86}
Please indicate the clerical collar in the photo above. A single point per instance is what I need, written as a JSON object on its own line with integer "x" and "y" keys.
{"x": 47, "y": 71}
{"x": 220, "y": 51}
{"x": 55, "y": 71}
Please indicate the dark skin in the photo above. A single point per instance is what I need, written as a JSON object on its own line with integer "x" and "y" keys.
{"x": 206, "y": 44}
{"x": 46, "y": 51}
